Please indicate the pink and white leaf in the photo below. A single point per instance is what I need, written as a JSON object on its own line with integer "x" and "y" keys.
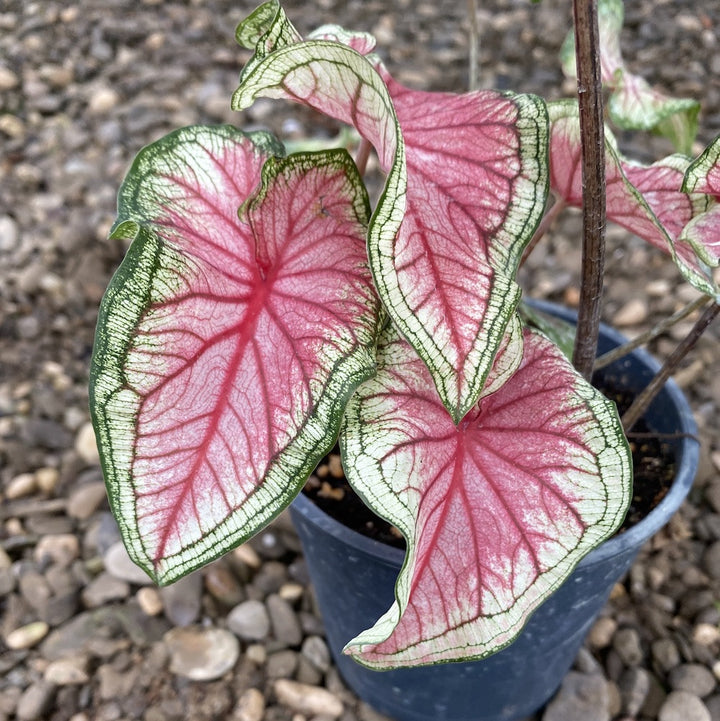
{"x": 646, "y": 200}
{"x": 465, "y": 189}
{"x": 496, "y": 510}
{"x": 227, "y": 346}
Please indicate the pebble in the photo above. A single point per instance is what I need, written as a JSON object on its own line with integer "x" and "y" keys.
{"x": 149, "y": 600}
{"x": 626, "y": 642}
{"x": 315, "y": 650}
{"x": 711, "y": 560}
{"x": 201, "y": 654}
{"x": 182, "y": 600}
{"x": 602, "y": 632}
{"x": 118, "y": 563}
{"x": 67, "y": 671}
{"x": 61, "y": 548}
{"x": 102, "y": 101}
{"x": 249, "y": 621}
{"x": 683, "y": 706}
{"x": 634, "y": 688}
{"x": 692, "y": 677}
{"x": 308, "y": 700}
{"x": 86, "y": 446}
{"x": 285, "y": 624}
{"x": 27, "y": 636}
{"x": 104, "y": 589}
{"x": 250, "y": 706}
{"x": 86, "y": 499}
{"x": 223, "y": 585}
{"x": 24, "y": 484}
{"x": 581, "y": 696}
{"x": 36, "y": 701}
{"x": 665, "y": 654}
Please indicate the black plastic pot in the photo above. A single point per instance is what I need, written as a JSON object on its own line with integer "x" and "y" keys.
{"x": 354, "y": 579}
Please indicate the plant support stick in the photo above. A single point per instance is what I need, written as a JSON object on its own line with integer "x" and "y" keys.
{"x": 587, "y": 53}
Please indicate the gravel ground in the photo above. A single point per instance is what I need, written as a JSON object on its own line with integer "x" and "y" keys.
{"x": 83, "y": 636}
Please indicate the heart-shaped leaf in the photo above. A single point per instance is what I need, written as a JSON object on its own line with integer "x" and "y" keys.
{"x": 227, "y": 346}
{"x": 466, "y": 187}
{"x": 496, "y": 511}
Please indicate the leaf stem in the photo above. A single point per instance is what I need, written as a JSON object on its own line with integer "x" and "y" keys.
{"x": 547, "y": 220}
{"x": 363, "y": 153}
{"x": 587, "y": 52}
{"x": 640, "y": 404}
{"x": 474, "y": 44}
{"x": 616, "y": 353}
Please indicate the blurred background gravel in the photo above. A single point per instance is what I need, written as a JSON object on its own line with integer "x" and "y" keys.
{"x": 83, "y": 637}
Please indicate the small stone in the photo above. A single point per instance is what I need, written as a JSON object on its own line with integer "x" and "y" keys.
{"x": 60, "y": 548}
{"x": 683, "y": 706}
{"x": 665, "y": 654}
{"x": 250, "y": 706}
{"x": 291, "y": 592}
{"x": 634, "y": 688}
{"x": 201, "y": 654}
{"x": 9, "y": 234}
{"x": 149, "y": 600}
{"x": 308, "y": 700}
{"x": 692, "y": 677}
{"x": 256, "y": 653}
{"x": 86, "y": 446}
{"x": 581, "y": 696}
{"x": 86, "y": 499}
{"x": 104, "y": 589}
{"x": 36, "y": 701}
{"x": 27, "y": 636}
{"x": 315, "y": 650}
{"x": 24, "y": 484}
{"x": 223, "y": 585}
{"x": 47, "y": 479}
{"x": 118, "y": 563}
{"x": 626, "y": 642}
{"x": 602, "y": 632}
{"x": 247, "y": 555}
{"x": 285, "y": 624}
{"x": 711, "y": 560}
{"x": 103, "y": 101}
{"x": 634, "y": 312}
{"x": 182, "y": 600}
{"x": 249, "y": 621}
{"x": 8, "y": 79}
{"x": 67, "y": 671}
{"x": 281, "y": 664}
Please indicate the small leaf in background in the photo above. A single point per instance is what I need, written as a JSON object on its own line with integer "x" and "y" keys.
{"x": 496, "y": 511}
{"x": 465, "y": 190}
{"x": 227, "y": 346}
{"x": 703, "y": 174}
{"x": 633, "y": 104}
{"x": 646, "y": 200}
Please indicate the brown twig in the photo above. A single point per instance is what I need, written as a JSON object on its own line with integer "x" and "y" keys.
{"x": 547, "y": 220}
{"x": 616, "y": 353}
{"x": 640, "y": 404}
{"x": 363, "y": 153}
{"x": 587, "y": 54}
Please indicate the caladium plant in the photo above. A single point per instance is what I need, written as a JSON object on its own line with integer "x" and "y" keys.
{"x": 264, "y": 309}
